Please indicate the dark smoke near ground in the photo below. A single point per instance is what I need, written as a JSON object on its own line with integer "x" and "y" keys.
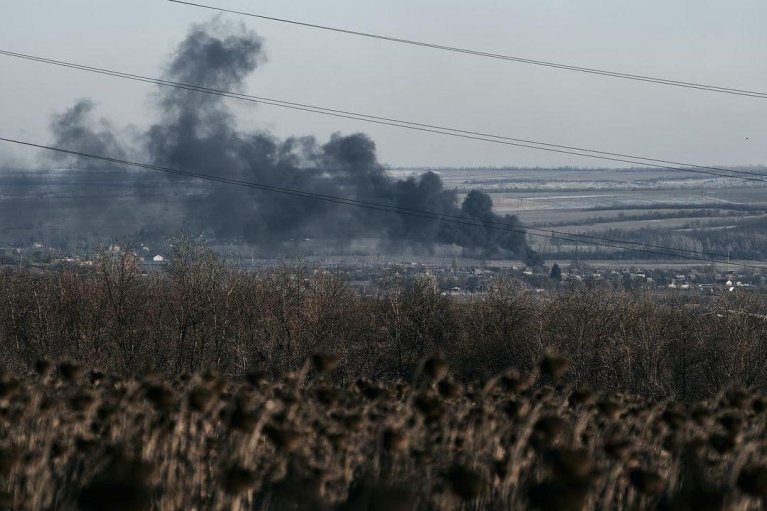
{"x": 198, "y": 132}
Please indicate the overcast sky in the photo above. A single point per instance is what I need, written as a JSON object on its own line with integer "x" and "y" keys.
{"x": 707, "y": 41}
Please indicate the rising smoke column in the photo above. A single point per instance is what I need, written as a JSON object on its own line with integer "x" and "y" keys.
{"x": 198, "y": 132}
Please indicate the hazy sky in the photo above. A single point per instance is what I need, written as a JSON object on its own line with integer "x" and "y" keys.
{"x": 709, "y": 41}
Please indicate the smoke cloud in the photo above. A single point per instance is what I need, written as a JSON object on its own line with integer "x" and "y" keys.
{"x": 199, "y": 132}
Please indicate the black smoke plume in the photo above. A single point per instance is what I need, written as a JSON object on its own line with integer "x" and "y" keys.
{"x": 198, "y": 132}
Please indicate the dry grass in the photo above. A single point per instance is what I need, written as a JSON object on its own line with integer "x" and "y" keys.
{"x": 80, "y": 439}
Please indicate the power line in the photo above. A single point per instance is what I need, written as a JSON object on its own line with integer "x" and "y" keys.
{"x": 580, "y": 237}
{"x": 411, "y": 125}
{"x": 602, "y": 72}
{"x": 377, "y": 206}
{"x": 260, "y": 100}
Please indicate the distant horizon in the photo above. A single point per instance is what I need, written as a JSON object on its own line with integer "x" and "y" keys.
{"x": 389, "y": 166}
{"x": 758, "y": 166}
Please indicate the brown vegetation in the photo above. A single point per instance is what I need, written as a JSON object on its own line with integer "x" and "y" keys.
{"x": 209, "y": 388}
{"x": 198, "y": 314}
{"x": 74, "y": 439}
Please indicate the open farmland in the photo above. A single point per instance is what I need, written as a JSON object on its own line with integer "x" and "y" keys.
{"x": 656, "y": 206}
{"x": 524, "y": 191}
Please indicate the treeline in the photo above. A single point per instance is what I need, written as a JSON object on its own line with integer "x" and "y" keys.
{"x": 745, "y": 239}
{"x": 199, "y": 314}
{"x": 655, "y": 215}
